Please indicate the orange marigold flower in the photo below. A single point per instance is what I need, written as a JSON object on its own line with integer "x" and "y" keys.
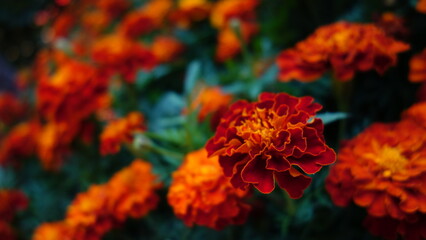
{"x": 421, "y": 6}
{"x": 389, "y": 228}
{"x": 115, "y": 53}
{"x": 121, "y": 131}
{"x": 417, "y": 113}
{"x": 382, "y": 169}
{"x": 392, "y": 25}
{"x": 75, "y": 91}
{"x": 260, "y": 142}
{"x": 59, "y": 230}
{"x": 54, "y": 143}
{"x": 95, "y": 21}
{"x": 229, "y": 45}
{"x": 132, "y": 191}
{"x": 201, "y": 194}
{"x": 418, "y": 67}
{"x": 113, "y": 7}
{"x": 225, "y": 10}
{"x": 11, "y": 108}
{"x": 166, "y": 48}
{"x": 189, "y": 11}
{"x": 61, "y": 26}
{"x": 343, "y": 47}
{"x": 211, "y": 101}
{"x": 146, "y": 19}
{"x": 20, "y": 142}
{"x": 129, "y": 193}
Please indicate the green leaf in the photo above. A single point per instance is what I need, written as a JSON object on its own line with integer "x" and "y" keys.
{"x": 329, "y": 117}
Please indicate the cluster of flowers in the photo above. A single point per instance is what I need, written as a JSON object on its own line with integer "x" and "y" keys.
{"x": 11, "y": 201}
{"x": 129, "y": 193}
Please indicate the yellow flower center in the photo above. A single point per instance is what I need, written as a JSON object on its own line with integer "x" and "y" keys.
{"x": 391, "y": 160}
{"x": 260, "y": 125}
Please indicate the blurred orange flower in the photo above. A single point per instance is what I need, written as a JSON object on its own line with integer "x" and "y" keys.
{"x": 211, "y": 101}
{"x": 112, "y": 7}
{"x": 201, "y": 194}
{"x": 19, "y": 143}
{"x": 384, "y": 170}
{"x": 189, "y": 11}
{"x": 61, "y": 26}
{"x": 73, "y": 92}
{"x": 118, "y": 54}
{"x": 166, "y": 48}
{"x": 146, "y": 19}
{"x": 421, "y": 6}
{"x": 262, "y": 142}
{"x": 229, "y": 44}
{"x": 121, "y": 131}
{"x": 393, "y": 25}
{"x": 343, "y": 47}
{"x": 226, "y": 10}
{"x": 418, "y": 67}
{"x": 129, "y": 193}
{"x": 417, "y": 113}
{"x": 11, "y": 109}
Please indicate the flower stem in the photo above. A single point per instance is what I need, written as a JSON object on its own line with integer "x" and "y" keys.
{"x": 290, "y": 210}
{"x": 342, "y": 93}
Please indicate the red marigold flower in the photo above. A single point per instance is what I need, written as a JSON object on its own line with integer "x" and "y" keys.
{"x": 417, "y": 113}
{"x": 11, "y": 108}
{"x": 421, "y": 6}
{"x": 115, "y": 53}
{"x": 418, "y": 67}
{"x": 146, "y": 19}
{"x": 166, "y": 48}
{"x": 112, "y": 7}
{"x": 389, "y": 228}
{"x": 11, "y": 201}
{"x": 61, "y": 26}
{"x": 75, "y": 91}
{"x": 226, "y": 10}
{"x": 382, "y": 169}
{"x": 189, "y": 11}
{"x": 260, "y": 142}
{"x": 129, "y": 193}
{"x": 20, "y": 142}
{"x": 229, "y": 44}
{"x": 121, "y": 131}
{"x": 201, "y": 194}
{"x": 6, "y": 231}
{"x": 343, "y": 47}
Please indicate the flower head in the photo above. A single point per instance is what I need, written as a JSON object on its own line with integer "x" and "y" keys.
{"x": 73, "y": 93}
{"x": 343, "y": 47}
{"x": 166, "y": 48}
{"x": 11, "y": 201}
{"x": 11, "y": 108}
{"x": 121, "y": 131}
{"x": 382, "y": 169}
{"x": 418, "y": 67}
{"x": 226, "y": 10}
{"x": 201, "y": 194}
{"x": 274, "y": 139}
{"x": 189, "y": 11}
{"x": 421, "y": 6}
{"x": 417, "y": 113}
{"x": 118, "y": 54}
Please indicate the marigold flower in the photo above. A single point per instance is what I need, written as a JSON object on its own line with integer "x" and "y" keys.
{"x": 118, "y": 54}
{"x": 382, "y": 169}
{"x": 418, "y": 67}
{"x": 146, "y": 19}
{"x": 6, "y": 231}
{"x": 61, "y": 26}
{"x": 189, "y": 11}
{"x": 129, "y": 193}
{"x": 417, "y": 113}
{"x": 211, "y": 101}
{"x": 421, "y": 6}
{"x": 54, "y": 142}
{"x": 121, "y": 131}
{"x": 166, "y": 48}
{"x": 389, "y": 228}
{"x": 112, "y": 7}
{"x": 201, "y": 194}
{"x": 75, "y": 91}
{"x": 229, "y": 44}
{"x": 11, "y": 108}
{"x": 11, "y": 201}
{"x": 225, "y": 10}
{"x": 262, "y": 142}
{"x": 393, "y": 25}
{"x": 343, "y": 47}
{"x": 20, "y": 142}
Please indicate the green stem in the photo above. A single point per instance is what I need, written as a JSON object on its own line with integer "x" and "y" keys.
{"x": 290, "y": 210}
{"x": 342, "y": 93}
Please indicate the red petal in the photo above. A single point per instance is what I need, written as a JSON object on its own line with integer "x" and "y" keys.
{"x": 255, "y": 172}
{"x": 293, "y": 185}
